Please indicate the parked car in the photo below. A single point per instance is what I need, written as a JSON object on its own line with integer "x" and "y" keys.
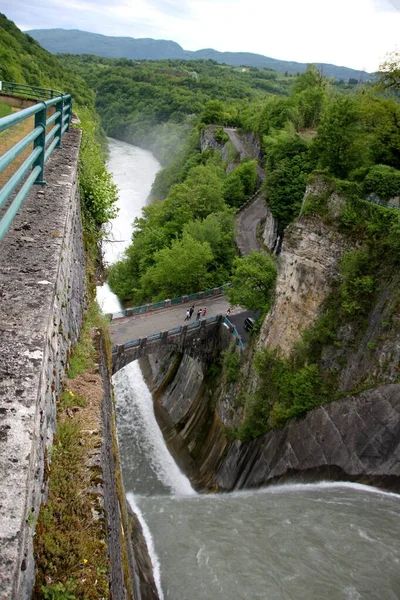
{"x": 249, "y": 324}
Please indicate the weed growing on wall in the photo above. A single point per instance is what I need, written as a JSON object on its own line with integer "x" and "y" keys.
{"x": 71, "y": 554}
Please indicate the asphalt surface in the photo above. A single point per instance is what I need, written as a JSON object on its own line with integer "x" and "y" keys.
{"x": 131, "y": 328}
{"x": 246, "y": 225}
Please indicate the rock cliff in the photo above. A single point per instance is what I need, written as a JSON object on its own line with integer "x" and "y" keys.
{"x": 308, "y": 267}
{"x": 354, "y": 436}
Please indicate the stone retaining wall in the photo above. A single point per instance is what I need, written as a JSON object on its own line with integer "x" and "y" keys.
{"x": 42, "y": 301}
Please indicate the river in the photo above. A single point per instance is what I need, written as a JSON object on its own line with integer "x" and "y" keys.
{"x": 294, "y": 542}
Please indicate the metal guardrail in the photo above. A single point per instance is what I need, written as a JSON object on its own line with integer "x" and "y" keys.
{"x": 43, "y": 141}
{"x": 136, "y": 310}
{"x": 28, "y": 91}
{"x": 180, "y": 328}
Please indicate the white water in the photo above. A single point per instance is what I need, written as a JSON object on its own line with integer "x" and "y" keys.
{"x": 146, "y": 457}
{"x": 149, "y": 542}
{"x": 297, "y": 542}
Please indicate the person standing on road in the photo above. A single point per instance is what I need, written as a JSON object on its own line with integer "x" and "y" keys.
{"x": 198, "y": 314}
{"x": 204, "y": 312}
{"x": 191, "y": 311}
{"x": 187, "y": 315}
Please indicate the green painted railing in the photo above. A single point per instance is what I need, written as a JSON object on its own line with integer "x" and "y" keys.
{"x": 180, "y": 329}
{"x": 28, "y": 91}
{"x": 43, "y": 141}
{"x": 129, "y": 312}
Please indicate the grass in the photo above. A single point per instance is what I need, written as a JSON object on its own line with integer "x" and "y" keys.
{"x": 12, "y": 136}
{"x": 70, "y": 549}
{"x": 83, "y": 355}
{"x": 5, "y": 109}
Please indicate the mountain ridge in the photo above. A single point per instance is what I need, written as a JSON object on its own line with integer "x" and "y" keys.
{"x": 75, "y": 41}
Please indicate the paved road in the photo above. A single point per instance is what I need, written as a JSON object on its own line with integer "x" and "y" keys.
{"x": 130, "y": 328}
{"x": 247, "y": 221}
{"x": 246, "y": 225}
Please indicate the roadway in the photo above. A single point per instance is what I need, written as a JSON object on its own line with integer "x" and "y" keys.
{"x": 131, "y": 328}
{"x": 247, "y": 223}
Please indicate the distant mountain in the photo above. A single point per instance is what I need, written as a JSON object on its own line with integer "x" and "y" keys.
{"x": 74, "y": 41}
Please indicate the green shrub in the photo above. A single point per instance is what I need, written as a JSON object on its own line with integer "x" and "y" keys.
{"x": 358, "y": 283}
{"x": 98, "y": 192}
{"x": 383, "y": 181}
{"x": 221, "y": 136}
{"x": 5, "y": 110}
{"x": 284, "y": 392}
{"x": 231, "y": 364}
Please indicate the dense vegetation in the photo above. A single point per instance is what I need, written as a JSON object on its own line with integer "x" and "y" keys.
{"x": 24, "y": 61}
{"x": 183, "y": 244}
{"x": 84, "y": 42}
{"x": 307, "y": 124}
{"x": 152, "y": 103}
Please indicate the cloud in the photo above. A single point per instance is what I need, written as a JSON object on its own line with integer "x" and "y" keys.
{"x": 355, "y": 33}
{"x": 386, "y": 5}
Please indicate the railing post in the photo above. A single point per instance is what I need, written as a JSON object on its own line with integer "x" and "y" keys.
{"x": 69, "y": 113}
{"x": 59, "y": 120}
{"x": 40, "y": 121}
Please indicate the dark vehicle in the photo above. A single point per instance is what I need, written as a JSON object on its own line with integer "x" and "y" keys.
{"x": 249, "y": 324}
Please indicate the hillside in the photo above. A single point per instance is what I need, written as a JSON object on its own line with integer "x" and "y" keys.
{"x": 23, "y": 60}
{"x": 83, "y": 42}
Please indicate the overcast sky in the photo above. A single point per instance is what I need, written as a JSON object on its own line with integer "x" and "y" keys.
{"x": 354, "y": 33}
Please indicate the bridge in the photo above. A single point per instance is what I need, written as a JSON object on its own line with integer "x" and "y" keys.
{"x": 141, "y": 332}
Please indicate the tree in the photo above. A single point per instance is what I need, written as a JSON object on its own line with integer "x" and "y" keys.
{"x": 389, "y": 76}
{"x": 380, "y": 117}
{"x": 310, "y": 93}
{"x": 338, "y": 145}
{"x": 240, "y": 183}
{"x": 217, "y": 230}
{"x": 253, "y": 281}
{"x": 288, "y": 165}
{"x": 214, "y": 113}
{"x": 180, "y": 269}
{"x": 277, "y": 113}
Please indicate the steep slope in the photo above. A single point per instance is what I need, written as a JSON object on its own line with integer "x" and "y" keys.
{"x": 319, "y": 389}
{"x": 23, "y": 60}
{"x": 83, "y": 42}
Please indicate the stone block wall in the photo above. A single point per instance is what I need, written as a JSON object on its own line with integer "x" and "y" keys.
{"x": 42, "y": 301}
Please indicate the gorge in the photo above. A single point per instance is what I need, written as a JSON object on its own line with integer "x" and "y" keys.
{"x": 200, "y": 533}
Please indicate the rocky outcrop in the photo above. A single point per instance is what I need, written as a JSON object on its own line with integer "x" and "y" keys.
{"x": 253, "y": 143}
{"x": 207, "y": 140}
{"x": 356, "y": 438}
{"x": 270, "y": 235}
{"x": 307, "y": 268}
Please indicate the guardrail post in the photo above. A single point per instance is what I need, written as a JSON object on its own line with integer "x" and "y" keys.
{"x": 40, "y": 121}
{"x": 59, "y": 120}
{"x": 69, "y": 113}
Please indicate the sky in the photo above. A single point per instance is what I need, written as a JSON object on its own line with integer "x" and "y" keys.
{"x": 353, "y": 33}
